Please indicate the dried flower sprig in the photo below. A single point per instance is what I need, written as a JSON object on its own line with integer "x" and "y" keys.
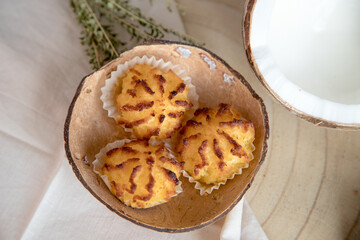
{"x": 99, "y": 18}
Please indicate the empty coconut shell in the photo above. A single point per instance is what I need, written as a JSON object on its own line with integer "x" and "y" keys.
{"x": 88, "y": 129}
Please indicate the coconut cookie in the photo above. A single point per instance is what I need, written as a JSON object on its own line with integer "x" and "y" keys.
{"x": 215, "y": 145}
{"x": 141, "y": 175}
{"x": 151, "y": 102}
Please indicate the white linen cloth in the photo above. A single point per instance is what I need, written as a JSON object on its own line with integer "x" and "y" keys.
{"x": 42, "y": 62}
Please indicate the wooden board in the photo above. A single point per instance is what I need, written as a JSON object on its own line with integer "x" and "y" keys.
{"x": 309, "y": 185}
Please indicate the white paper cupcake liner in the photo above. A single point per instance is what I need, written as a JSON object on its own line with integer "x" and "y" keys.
{"x": 206, "y": 188}
{"x": 99, "y": 162}
{"x": 108, "y": 97}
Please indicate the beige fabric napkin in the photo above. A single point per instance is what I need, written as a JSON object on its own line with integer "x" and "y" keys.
{"x": 241, "y": 223}
{"x": 42, "y": 63}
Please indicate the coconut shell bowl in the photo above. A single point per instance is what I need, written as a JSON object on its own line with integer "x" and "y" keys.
{"x": 88, "y": 129}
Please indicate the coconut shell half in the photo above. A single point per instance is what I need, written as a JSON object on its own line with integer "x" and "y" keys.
{"x": 320, "y": 119}
{"x": 88, "y": 129}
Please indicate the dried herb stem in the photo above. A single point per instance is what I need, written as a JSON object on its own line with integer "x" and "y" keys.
{"x": 100, "y": 26}
{"x": 99, "y": 18}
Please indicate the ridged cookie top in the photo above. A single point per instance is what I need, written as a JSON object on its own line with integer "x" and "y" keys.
{"x": 142, "y": 175}
{"x": 151, "y": 102}
{"x": 216, "y": 144}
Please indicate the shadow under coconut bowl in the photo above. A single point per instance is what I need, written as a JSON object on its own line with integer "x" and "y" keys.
{"x": 307, "y": 55}
{"x": 88, "y": 129}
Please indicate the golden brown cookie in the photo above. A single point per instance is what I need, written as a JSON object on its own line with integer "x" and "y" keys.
{"x": 142, "y": 175}
{"x": 216, "y": 144}
{"x": 151, "y": 102}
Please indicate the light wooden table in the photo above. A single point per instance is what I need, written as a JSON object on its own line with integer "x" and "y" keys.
{"x": 309, "y": 185}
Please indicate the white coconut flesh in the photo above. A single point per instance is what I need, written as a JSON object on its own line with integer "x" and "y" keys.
{"x": 308, "y": 53}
